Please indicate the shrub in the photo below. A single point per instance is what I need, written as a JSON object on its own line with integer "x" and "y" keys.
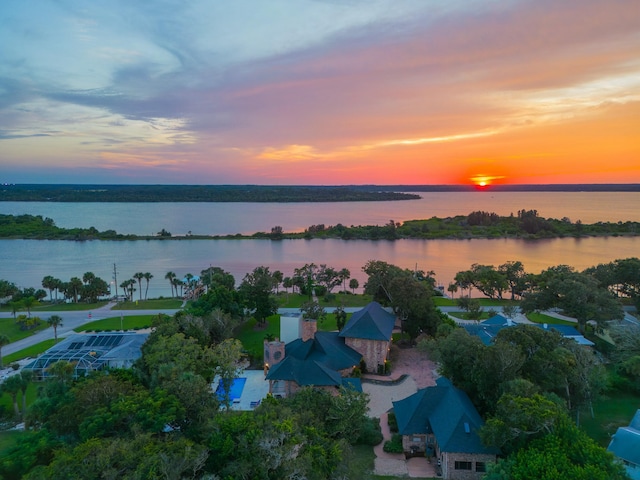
{"x": 394, "y": 445}
{"x": 370, "y": 434}
{"x": 393, "y": 422}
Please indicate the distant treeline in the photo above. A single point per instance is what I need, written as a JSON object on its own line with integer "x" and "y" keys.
{"x": 195, "y": 193}
{"x": 524, "y": 224}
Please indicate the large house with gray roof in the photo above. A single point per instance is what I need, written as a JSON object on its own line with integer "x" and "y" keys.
{"x": 625, "y": 445}
{"x": 328, "y": 359}
{"x": 441, "y": 422}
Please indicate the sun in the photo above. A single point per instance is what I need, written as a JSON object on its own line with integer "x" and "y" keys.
{"x": 484, "y": 181}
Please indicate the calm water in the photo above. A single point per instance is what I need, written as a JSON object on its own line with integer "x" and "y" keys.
{"x": 26, "y": 262}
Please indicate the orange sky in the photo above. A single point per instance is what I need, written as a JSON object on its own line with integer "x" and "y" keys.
{"x": 311, "y": 92}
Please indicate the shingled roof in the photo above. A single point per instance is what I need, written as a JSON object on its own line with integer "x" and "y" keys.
{"x": 445, "y": 411}
{"x": 316, "y": 361}
{"x": 371, "y": 323}
{"x": 625, "y": 444}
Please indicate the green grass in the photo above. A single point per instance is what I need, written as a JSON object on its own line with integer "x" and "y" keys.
{"x": 484, "y": 302}
{"x": 7, "y": 404}
{"x": 463, "y": 315}
{"x": 69, "y": 307}
{"x": 252, "y": 337}
{"x": 116, "y": 323}
{"x": 11, "y": 329}
{"x": 542, "y": 318}
{"x": 31, "y": 351}
{"x": 295, "y": 300}
{"x": 611, "y": 412}
{"x": 153, "y": 304}
{"x": 8, "y": 438}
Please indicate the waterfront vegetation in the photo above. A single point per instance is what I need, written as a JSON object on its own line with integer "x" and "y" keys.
{"x": 170, "y": 385}
{"x": 526, "y": 224}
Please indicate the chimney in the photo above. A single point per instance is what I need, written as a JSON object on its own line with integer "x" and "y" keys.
{"x": 308, "y": 329}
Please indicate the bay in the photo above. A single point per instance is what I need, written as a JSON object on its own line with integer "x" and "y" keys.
{"x": 26, "y": 262}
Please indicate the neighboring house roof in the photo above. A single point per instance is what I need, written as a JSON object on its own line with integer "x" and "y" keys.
{"x": 489, "y": 328}
{"x": 92, "y": 351}
{"x": 445, "y": 411}
{"x": 625, "y": 444}
{"x": 316, "y": 361}
{"x": 371, "y": 323}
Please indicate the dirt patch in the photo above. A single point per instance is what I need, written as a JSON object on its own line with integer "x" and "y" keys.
{"x": 411, "y": 361}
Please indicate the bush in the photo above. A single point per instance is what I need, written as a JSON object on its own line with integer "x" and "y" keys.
{"x": 393, "y": 422}
{"x": 370, "y": 434}
{"x": 394, "y": 445}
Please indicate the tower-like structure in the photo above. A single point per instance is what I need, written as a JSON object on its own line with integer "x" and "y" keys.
{"x": 273, "y": 353}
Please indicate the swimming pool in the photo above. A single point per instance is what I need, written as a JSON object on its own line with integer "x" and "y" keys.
{"x": 235, "y": 392}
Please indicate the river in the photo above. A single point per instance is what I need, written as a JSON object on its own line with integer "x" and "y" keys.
{"x": 26, "y": 262}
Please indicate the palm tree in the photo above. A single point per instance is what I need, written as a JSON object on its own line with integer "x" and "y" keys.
{"x": 147, "y": 277}
{"x": 345, "y": 275}
{"x": 139, "y": 276}
{"x": 75, "y": 285}
{"x": 28, "y": 303}
{"x": 12, "y": 386}
{"x": 26, "y": 376}
{"x": 4, "y": 340}
{"x": 171, "y": 276}
{"x": 55, "y": 321}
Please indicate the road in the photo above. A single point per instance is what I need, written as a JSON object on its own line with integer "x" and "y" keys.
{"x": 71, "y": 320}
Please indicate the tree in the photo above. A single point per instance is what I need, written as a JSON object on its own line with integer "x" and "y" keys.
{"x": 12, "y": 387}
{"x": 88, "y": 277}
{"x": 380, "y": 276}
{"x": 49, "y": 283}
{"x": 147, "y": 276}
{"x": 328, "y": 277}
{"x": 256, "y": 289}
{"x": 488, "y": 280}
{"x": 139, "y": 276}
{"x": 452, "y": 289}
{"x": 278, "y": 277}
{"x": 73, "y": 288}
{"x": 29, "y": 303}
{"x": 413, "y": 304}
{"x": 353, "y": 284}
{"x": 94, "y": 289}
{"x": 171, "y": 276}
{"x": 4, "y": 340}
{"x": 579, "y": 295}
{"x": 516, "y": 277}
{"x": 344, "y": 275}
{"x": 341, "y": 317}
{"x": 55, "y": 321}
{"x": 313, "y": 311}
{"x": 566, "y": 452}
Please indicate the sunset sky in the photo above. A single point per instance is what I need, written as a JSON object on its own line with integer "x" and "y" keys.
{"x": 320, "y": 92}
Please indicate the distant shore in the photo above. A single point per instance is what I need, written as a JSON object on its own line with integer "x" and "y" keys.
{"x": 265, "y": 193}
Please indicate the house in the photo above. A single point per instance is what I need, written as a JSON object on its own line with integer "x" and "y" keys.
{"x": 89, "y": 352}
{"x": 489, "y": 328}
{"x": 441, "y": 422}
{"x": 625, "y": 444}
{"x": 368, "y": 331}
{"x": 327, "y": 359}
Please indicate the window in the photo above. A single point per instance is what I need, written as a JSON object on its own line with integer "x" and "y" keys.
{"x": 481, "y": 467}
{"x": 463, "y": 465}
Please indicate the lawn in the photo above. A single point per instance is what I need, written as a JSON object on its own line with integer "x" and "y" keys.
{"x": 68, "y": 307}
{"x": 542, "y": 318}
{"x": 11, "y": 329}
{"x": 252, "y": 336}
{"x": 153, "y": 304}
{"x": 131, "y": 322}
{"x": 295, "y": 300}
{"x": 484, "y": 302}
{"x": 613, "y": 411}
{"x": 8, "y": 438}
{"x": 31, "y": 351}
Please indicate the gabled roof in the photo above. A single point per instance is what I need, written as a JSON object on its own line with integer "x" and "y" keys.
{"x": 371, "y": 323}
{"x": 316, "y": 361}
{"x": 625, "y": 444}
{"x": 446, "y": 412}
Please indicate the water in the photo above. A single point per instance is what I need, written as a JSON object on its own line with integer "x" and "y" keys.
{"x": 27, "y": 262}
